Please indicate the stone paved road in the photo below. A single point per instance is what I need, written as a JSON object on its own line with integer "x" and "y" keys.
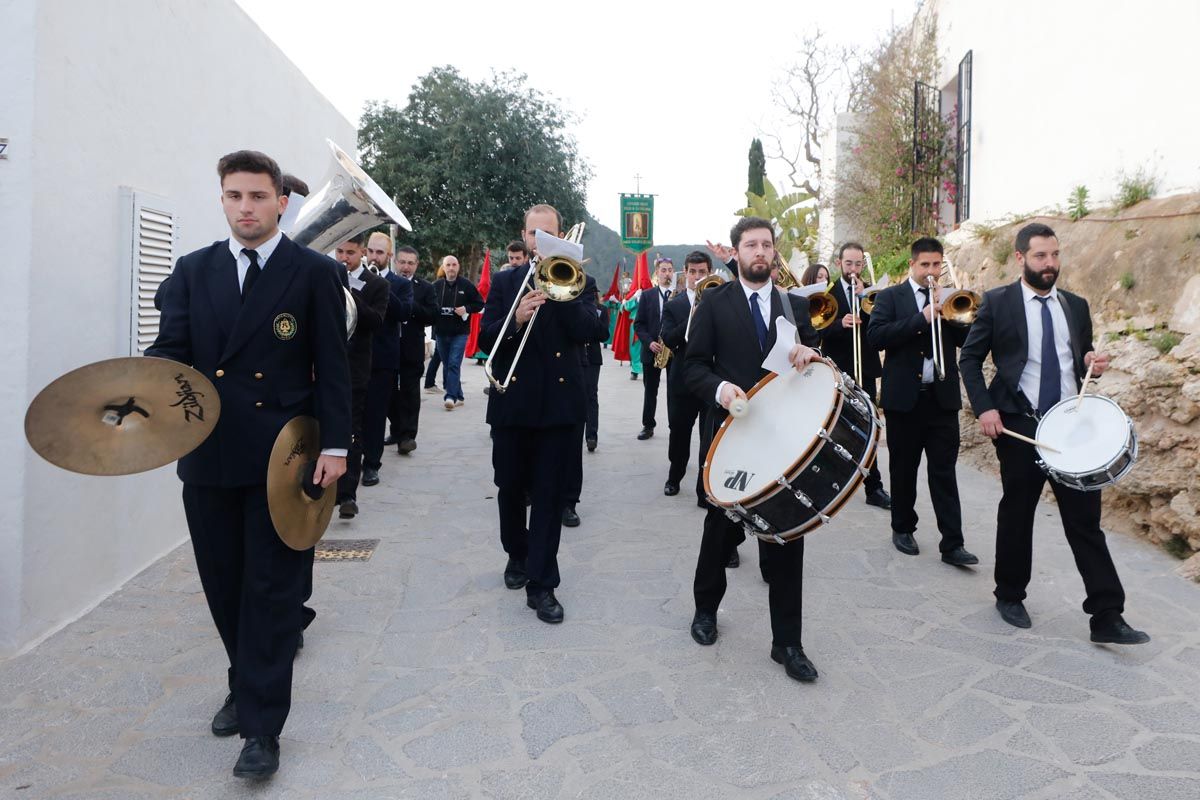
{"x": 424, "y": 678}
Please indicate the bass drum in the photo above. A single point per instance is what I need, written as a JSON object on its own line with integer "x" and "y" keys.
{"x": 806, "y": 442}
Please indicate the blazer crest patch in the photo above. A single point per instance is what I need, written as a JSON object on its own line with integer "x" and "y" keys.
{"x": 285, "y": 327}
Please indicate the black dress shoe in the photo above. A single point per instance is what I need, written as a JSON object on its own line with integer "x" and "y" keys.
{"x": 879, "y": 498}
{"x": 389, "y": 441}
{"x": 670, "y": 489}
{"x": 795, "y": 663}
{"x": 591, "y": 445}
{"x": 259, "y": 758}
{"x": 633, "y": 376}
{"x": 1013, "y": 612}
{"x": 514, "y": 574}
{"x": 701, "y": 502}
{"x": 300, "y": 643}
{"x": 1114, "y": 630}
{"x": 734, "y": 561}
{"x": 905, "y": 543}
{"x": 348, "y": 510}
{"x": 225, "y": 723}
{"x": 645, "y": 434}
{"x": 406, "y": 446}
{"x": 370, "y": 477}
{"x": 547, "y": 607}
{"x": 570, "y": 517}
{"x": 960, "y": 557}
{"x": 704, "y": 628}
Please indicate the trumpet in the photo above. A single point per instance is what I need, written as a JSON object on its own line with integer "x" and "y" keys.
{"x": 561, "y": 279}
{"x": 702, "y": 285}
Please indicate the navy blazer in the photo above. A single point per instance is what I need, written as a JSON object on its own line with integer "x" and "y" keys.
{"x": 547, "y": 389}
{"x": 279, "y": 355}
{"x": 648, "y": 325}
{"x": 385, "y": 348}
{"x": 676, "y": 314}
{"x": 412, "y": 330}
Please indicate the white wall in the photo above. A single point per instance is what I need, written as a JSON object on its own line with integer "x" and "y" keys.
{"x": 1073, "y": 92}
{"x": 135, "y": 93}
{"x": 837, "y": 226}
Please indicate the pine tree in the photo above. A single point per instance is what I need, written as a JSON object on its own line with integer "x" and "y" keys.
{"x": 758, "y": 169}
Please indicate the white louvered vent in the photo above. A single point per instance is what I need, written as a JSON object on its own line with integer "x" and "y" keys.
{"x": 152, "y": 249}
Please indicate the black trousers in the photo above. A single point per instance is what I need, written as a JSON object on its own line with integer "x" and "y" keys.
{"x": 404, "y": 410}
{"x": 1022, "y": 482}
{"x": 683, "y": 411}
{"x": 574, "y": 485}
{"x": 874, "y": 479}
{"x": 254, "y": 585}
{"x": 591, "y": 381}
{"x": 931, "y": 430}
{"x": 532, "y": 460}
{"x": 435, "y": 361}
{"x": 782, "y": 567}
{"x": 379, "y": 393}
{"x": 348, "y": 484}
{"x": 650, "y": 375}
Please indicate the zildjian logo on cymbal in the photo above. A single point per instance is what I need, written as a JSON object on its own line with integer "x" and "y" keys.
{"x": 297, "y": 450}
{"x": 189, "y": 399}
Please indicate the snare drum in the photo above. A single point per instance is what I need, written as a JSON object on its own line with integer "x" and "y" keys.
{"x": 1097, "y": 443}
{"x": 791, "y": 462}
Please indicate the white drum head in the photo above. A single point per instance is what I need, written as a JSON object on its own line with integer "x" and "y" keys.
{"x": 783, "y": 418}
{"x": 1087, "y": 439}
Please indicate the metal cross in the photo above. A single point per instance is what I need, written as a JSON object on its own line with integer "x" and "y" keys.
{"x": 638, "y": 179}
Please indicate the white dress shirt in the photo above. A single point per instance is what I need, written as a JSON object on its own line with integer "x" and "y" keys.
{"x": 1031, "y": 376}
{"x": 927, "y": 371}
{"x": 764, "y": 305}
{"x": 264, "y": 251}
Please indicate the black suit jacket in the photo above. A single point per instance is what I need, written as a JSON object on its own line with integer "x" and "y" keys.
{"x": 723, "y": 345}
{"x": 838, "y": 342}
{"x": 900, "y": 329}
{"x": 372, "y": 303}
{"x": 674, "y": 325}
{"x": 648, "y": 324}
{"x": 547, "y": 389}
{"x": 412, "y": 330}
{"x": 592, "y": 351}
{"x": 385, "y": 348}
{"x": 1000, "y": 329}
{"x": 280, "y": 354}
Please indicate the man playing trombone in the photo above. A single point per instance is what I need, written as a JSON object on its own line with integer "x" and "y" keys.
{"x": 921, "y": 397}
{"x": 535, "y": 415}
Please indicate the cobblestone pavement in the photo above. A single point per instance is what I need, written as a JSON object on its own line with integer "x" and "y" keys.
{"x": 423, "y": 677}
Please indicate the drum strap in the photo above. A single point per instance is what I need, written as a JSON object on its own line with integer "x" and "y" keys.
{"x": 788, "y": 314}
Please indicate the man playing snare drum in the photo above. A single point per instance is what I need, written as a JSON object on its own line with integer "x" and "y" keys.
{"x": 1040, "y": 339}
{"x": 731, "y": 333}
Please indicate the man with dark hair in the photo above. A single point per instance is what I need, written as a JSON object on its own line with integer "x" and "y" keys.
{"x": 837, "y": 342}
{"x": 535, "y": 421}
{"x": 518, "y": 254}
{"x": 385, "y": 355}
{"x": 648, "y": 327}
{"x": 1040, "y": 341}
{"x": 263, "y": 319}
{"x": 405, "y": 407}
{"x": 722, "y": 363}
{"x": 683, "y": 407}
{"x": 293, "y": 186}
{"x": 922, "y": 409}
{"x": 370, "y": 293}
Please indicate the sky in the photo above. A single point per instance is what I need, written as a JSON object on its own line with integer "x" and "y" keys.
{"x": 671, "y": 91}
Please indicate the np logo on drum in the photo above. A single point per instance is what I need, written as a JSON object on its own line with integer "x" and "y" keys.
{"x": 738, "y": 479}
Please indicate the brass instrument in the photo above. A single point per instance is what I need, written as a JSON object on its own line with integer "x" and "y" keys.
{"x": 787, "y": 281}
{"x": 935, "y": 329}
{"x": 561, "y": 279}
{"x": 961, "y": 305}
{"x": 856, "y": 332}
{"x": 663, "y": 356}
{"x": 702, "y": 285}
{"x": 867, "y": 302}
{"x": 822, "y": 308}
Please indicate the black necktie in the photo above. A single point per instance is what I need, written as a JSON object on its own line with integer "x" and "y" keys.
{"x": 1050, "y": 385}
{"x": 760, "y": 324}
{"x": 251, "y": 273}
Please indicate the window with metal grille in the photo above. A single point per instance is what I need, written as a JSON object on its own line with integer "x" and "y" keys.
{"x": 152, "y": 229}
{"x": 962, "y": 199}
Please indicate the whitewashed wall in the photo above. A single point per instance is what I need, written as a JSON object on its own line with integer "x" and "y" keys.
{"x": 98, "y": 96}
{"x": 1073, "y": 92}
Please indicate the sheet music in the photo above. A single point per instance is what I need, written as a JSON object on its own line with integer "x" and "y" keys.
{"x": 548, "y": 246}
{"x": 808, "y": 291}
{"x": 785, "y": 339}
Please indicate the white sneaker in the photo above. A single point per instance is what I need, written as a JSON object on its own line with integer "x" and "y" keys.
{"x": 432, "y": 389}
{"x": 449, "y": 405}
{"x": 458, "y": 402}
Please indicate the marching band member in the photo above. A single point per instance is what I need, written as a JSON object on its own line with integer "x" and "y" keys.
{"x": 404, "y": 411}
{"x": 385, "y": 355}
{"x": 648, "y": 327}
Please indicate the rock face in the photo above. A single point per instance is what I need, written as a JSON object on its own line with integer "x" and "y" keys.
{"x": 1140, "y": 273}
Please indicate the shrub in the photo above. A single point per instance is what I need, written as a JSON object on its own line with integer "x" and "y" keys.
{"x": 1077, "y": 207}
{"x": 1002, "y": 250}
{"x": 1128, "y": 281}
{"x": 985, "y": 233}
{"x": 1165, "y": 342}
{"x": 1178, "y": 547}
{"x": 1133, "y": 189}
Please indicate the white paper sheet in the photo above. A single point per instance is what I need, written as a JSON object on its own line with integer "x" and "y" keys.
{"x": 548, "y": 245}
{"x": 288, "y": 220}
{"x": 808, "y": 291}
{"x": 785, "y": 339}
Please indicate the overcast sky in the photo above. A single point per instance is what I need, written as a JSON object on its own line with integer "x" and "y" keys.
{"x": 671, "y": 91}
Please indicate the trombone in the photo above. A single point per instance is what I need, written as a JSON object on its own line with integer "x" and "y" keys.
{"x": 702, "y": 285}
{"x": 935, "y": 330}
{"x": 561, "y": 278}
{"x": 822, "y": 307}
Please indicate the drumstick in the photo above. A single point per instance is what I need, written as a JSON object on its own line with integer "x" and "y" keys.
{"x": 738, "y": 407}
{"x": 1033, "y": 442}
{"x": 1086, "y": 379}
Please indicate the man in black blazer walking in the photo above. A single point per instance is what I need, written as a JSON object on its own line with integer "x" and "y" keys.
{"x": 1040, "y": 340}
{"x": 683, "y": 407}
{"x": 648, "y": 327}
{"x": 535, "y": 421}
{"x": 922, "y": 410}
{"x": 732, "y": 332}
{"x": 263, "y": 319}
{"x": 385, "y": 355}
{"x": 404, "y": 410}
{"x": 837, "y": 343}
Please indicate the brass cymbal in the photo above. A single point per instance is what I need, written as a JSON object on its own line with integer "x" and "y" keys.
{"x": 299, "y": 519}
{"x": 122, "y": 415}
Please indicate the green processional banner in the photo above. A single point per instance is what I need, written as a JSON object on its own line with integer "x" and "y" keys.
{"x": 637, "y": 221}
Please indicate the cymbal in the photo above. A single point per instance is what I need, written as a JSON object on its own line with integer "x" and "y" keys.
{"x": 122, "y": 415}
{"x": 299, "y": 518}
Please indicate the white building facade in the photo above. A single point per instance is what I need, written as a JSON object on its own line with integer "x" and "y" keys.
{"x": 112, "y": 117}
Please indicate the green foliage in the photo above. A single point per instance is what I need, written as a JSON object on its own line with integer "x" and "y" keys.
{"x": 1130, "y": 233}
{"x": 1002, "y": 250}
{"x": 795, "y": 222}
{"x": 758, "y": 169}
{"x": 1077, "y": 207}
{"x": 464, "y": 160}
{"x": 894, "y": 264}
{"x": 1127, "y": 281}
{"x": 1178, "y": 547}
{"x": 1165, "y": 341}
{"x": 985, "y": 233}
{"x": 1133, "y": 189}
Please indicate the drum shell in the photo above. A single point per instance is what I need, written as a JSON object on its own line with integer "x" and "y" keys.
{"x": 1102, "y": 475}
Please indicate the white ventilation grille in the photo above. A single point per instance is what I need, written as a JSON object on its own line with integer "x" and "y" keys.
{"x": 152, "y": 249}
